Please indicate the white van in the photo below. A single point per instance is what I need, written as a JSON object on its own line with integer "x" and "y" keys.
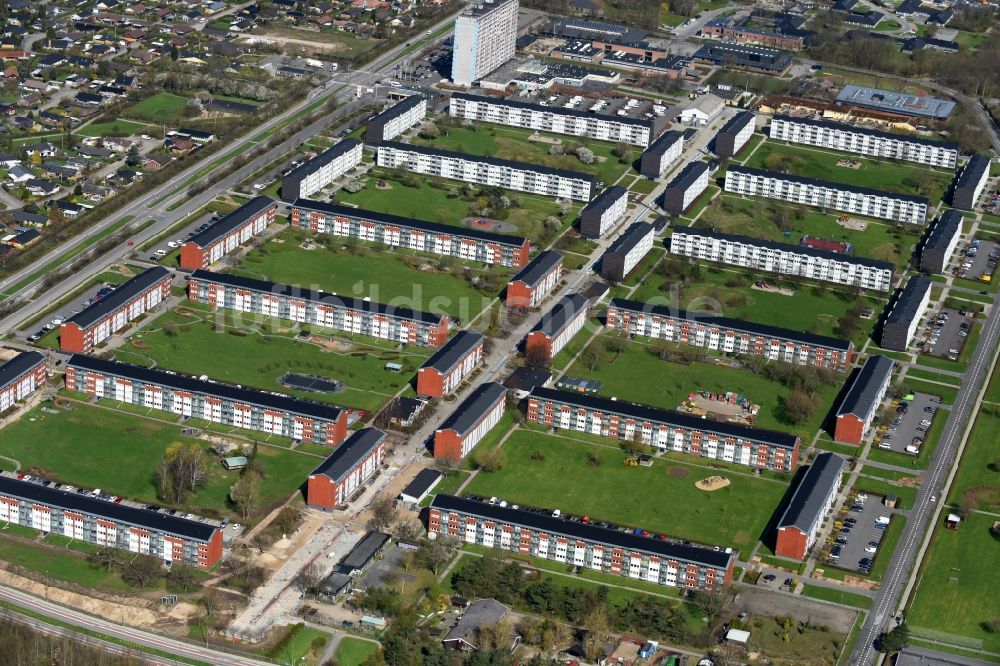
{"x": 882, "y": 520}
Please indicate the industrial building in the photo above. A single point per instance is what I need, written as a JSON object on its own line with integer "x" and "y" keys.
{"x": 110, "y": 314}
{"x": 627, "y": 251}
{"x": 734, "y": 134}
{"x": 747, "y": 181}
{"x": 556, "y": 328}
{"x": 395, "y": 120}
{"x": 574, "y": 542}
{"x": 20, "y": 377}
{"x": 470, "y": 421}
{"x": 315, "y": 174}
{"x": 729, "y": 336}
{"x": 395, "y": 231}
{"x": 782, "y": 259}
{"x": 534, "y": 282}
{"x": 685, "y": 188}
{"x": 227, "y": 233}
{"x": 445, "y": 370}
{"x": 941, "y": 241}
{"x": 925, "y": 106}
{"x": 903, "y": 318}
{"x": 490, "y": 171}
{"x": 813, "y": 499}
{"x": 357, "y": 316}
{"x": 661, "y": 154}
{"x": 351, "y": 464}
{"x": 601, "y": 214}
{"x": 740, "y": 56}
{"x": 860, "y": 404}
{"x": 484, "y": 38}
{"x": 971, "y": 182}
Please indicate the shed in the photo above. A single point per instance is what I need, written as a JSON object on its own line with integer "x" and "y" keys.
{"x": 953, "y": 521}
{"x": 738, "y": 636}
{"x": 372, "y": 622}
{"x": 422, "y": 484}
{"x": 393, "y": 367}
{"x": 890, "y": 501}
{"x": 234, "y": 462}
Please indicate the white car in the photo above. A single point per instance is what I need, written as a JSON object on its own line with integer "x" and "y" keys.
{"x": 933, "y": 498}
{"x": 870, "y": 549}
{"x": 172, "y": 244}
{"x": 861, "y": 497}
{"x": 146, "y": 137}
{"x": 57, "y": 321}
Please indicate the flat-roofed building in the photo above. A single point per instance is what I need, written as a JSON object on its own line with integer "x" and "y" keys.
{"x": 971, "y": 182}
{"x": 603, "y": 212}
{"x": 534, "y": 282}
{"x": 860, "y": 404}
{"x": 941, "y": 241}
{"x": 627, "y": 251}
{"x": 903, "y": 318}
{"x": 813, "y": 499}
{"x": 922, "y": 106}
{"x": 395, "y": 120}
{"x": 484, "y": 39}
{"x": 740, "y": 56}
{"x": 685, "y": 187}
{"x": 20, "y": 377}
{"x": 556, "y": 327}
{"x": 448, "y": 367}
{"x": 227, "y": 233}
{"x": 661, "y": 154}
{"x": 734, "y": 134}
{"x": 315, "y": 174}
{"x": 345, "y": 470}
{"x": 420, "y": 487}
{"x": 470, "y": 421}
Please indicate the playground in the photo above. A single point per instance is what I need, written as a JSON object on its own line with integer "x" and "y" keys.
{"x": 729, "y": 406}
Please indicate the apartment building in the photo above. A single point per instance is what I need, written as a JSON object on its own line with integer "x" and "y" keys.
{"x": 782, "y": 259}
{"x": 941, "y": 241}
{"x": 490, "y": 171}
{"x": 861, "y": 141}
{"x": 102, "y": 319}
{"x": 603, "y": 212}
{"x": 395, "y": 120}
{"x": 730, "y": 336}
{"x": 484, "y": 38}
{"x": 470, "y": 421}
{"x": 202, "y": 398}
{"x": 735, "y": 134}
{"x": 395, "y": 231}
{"x": 860, "y": 404}
{"x": 813, "y": 499}
{"x": 228, "y": 233}
{"x": 661, "y": 154}
{"x": 20, "y": 377}
{"x": 686, "y": 186}
{"x": 315, "y": 174}
{"x": 627, "y": 251}
{"x": 558, "y": 120}
{"x": 445, "y": 370}
{"x": 574, "y": 542}
{"x": 556, "y": 327}
{"x": 971, "y": 182}
{"x": 349, "y": 467}
{"x": 534, "y": 282}
{"x": 663, "y": 429}
{"x": 903, "y": 318}
{"x": 341, "y": 313}
{"x": 824, "y": 194}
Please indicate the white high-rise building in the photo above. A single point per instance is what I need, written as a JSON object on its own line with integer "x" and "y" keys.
{"x": 484, "y": 39}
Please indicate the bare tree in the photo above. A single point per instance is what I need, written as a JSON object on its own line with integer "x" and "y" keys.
{"x": 408, "y": 531}
{"x": 383, "y": 512}
{"x": 309, "y": 579}
{"x": 142, "y": 570}
{"x": 245, "y": 492}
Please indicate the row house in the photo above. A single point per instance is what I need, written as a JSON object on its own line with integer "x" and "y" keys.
{"x": 902, "y": 319}
{"x": 860, "y": 405}
{"x": 782, "y": 258}
{"x": 941, "y": 241}
{"x": 349, "y": 467}
{"x": 558, "y": 120}
{"x": 627, "y": 251}
{"x": 729, "y": 336}
{"x": 663, "y": 429}
{"x": 862, "y": 141}
{"x": 661, "y": 154}
{"x": 556, "y": 327}
{"x": 470, "y": 422}
{"x": 814, "y": 497}
{"x": 315, "y": 174}
{"x": 601, "y": 214}
{"x": 824, "y": 194}
{"x": 126, "y": 526}
{"x": 445, "y": 370}
{"x": 102, "y": 319}
{"x": 573, "y": 542}
{"x": 971, "y": 182}
{"x": 227, "y": 233}
{"x": 20, "y": 377}
{"x": 534, "y": 282}
{"x": 394, "y": 231}
{"x": 395, "y": 120}
{"x": 202, "y": 398}
{"x": 357, "y": 316}
{"x": 735, "y": 134}
{"x": 489, "y": 171}
{"x": 685, "y": 188}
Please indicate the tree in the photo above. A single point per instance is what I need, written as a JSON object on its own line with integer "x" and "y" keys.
{"x": 106, "y": 558}
{"x": 712, "y": 604}
{"x": 142, "y": 570}
{"x": 895, "y": 640}
{"x": 491, "y": 460}
{"x": 245, "y": 492}
{"x": 435, "y": 554}
{"x": 383, "y": 510}
{"x": 182, "y": 469}
{"x": 591, "y": 358}
{"x": 174, "y": 53}
{"x": 408, "y": 531}
{"x": 598, "y": 627}
{"x": 182, "y": 578}
{"x": 798, "y": 407}
{"x": 133, "y": 158}
{"x": 585, "y": 155}
{"x": 308, "y": 580}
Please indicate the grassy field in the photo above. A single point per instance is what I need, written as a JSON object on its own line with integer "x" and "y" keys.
{"x": 372, "y": 273}
{"x": 637, "y": 374}
{"x": 907, "y": 494}
{"x": 115, "y": 128}
{"x": 205, "y": 344}
{"x": 978, "y": 468}
{"x": 837, "y": 596}
{"x": 61, "y": 564}
{"x": 958, "y": 587}
{"x": 993, "y": 389}
{"x": 354, "y": 651}
{"x": 122, "y": 452}
{"x": 563, "y": 478}
{"x": 163, "y": 107}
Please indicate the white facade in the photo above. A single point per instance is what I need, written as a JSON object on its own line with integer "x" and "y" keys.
{"x": 669, "y": 156}
{"x": 772, "y": 185}
{"x": 694, "y": 190}
{"x": 326, "y": 171}
{"x": 838, "y": 136}
{"x": 610, "y": 209}
{"x": 491, "y": 419}
{"x": 484, "y": 39}
{"x": 638, "y": 251}
{"x": 398, "y": 118}
{"x": 782, "y": 259}
{"x": 743, "y": 135}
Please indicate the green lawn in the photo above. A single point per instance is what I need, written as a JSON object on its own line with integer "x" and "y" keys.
{"x": 907, "y": 494}
{"x": 638, "y": 375}
{"x": 958, "y": 587}
{"x": 65, "y": 565}
{"x": 978, "y": 468}
{"x": 123, "y": 451}
{"x": 837, "y": 596}
{"x": 115, "y": 128}
{"x": 354, "y": 651}
{"x": 163, "y": 107}
{"x": 665, "y": 498}
{"x": 993, "y": 390}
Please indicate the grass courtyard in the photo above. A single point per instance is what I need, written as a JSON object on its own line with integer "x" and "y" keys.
{"x": 978, "y": 473}
{"x": 557, "y": 471}
{"x": 118, "y": 127}
{"x": 163, "y": 107}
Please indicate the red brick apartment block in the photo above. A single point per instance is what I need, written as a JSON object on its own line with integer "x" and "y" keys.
{"x": 228, "y": 233}
{"x": 20, "y": 377}
{"x": 444, "y": 371}
{"x": 533, "y": 282}
{"x": 346, "y": 469}
{"x": 813, "y": 499}
{"x": 860, "y": 405}
{"x": 470, "y": 421}
{"x": 557, "y": 327}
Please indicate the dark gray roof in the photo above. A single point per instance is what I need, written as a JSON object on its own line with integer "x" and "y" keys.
{"x": 229, "y": 223}
{"x": 688, "y": 176}
{"x": 606, "y": 199}
{"x": 630, "y": 238}
{"x": 84, "y": 503}
{"x": 486, "y": 159}
{"x": 756, "y": 57}
{"x": 398, "y": 109}
{"x": 539, "y": 267}
{"x": 844, "y": 127}
{"x": 907, "y": 305}
{"x": 330, "y": 154}
{"x": 861, "y": 398}
{"x": 176, "y": 381}
{"x": 973, "y": 172}
{"x": 453, "y": 351}
{"x": 19, "y": 366}
{"x": 561, "y": 314}
{"x": 828, "y": 184}
{"x": 735, "y": 324}
{"x": 406, "y": 222}
{"x": 365, "y": 550}
{"x": 422, "y": 483}
{"x": 810, "y": 497}
{"x": 555, "y": 111}
{"x": 119, "y": 297}
{"x": 545, "y": 522}
{"x": 949, "y": 224}
{"x": 784, "y": 247}
{"x": 468, "y": 415}
{"x": 332, "y": 300}
{"x": 347, "y": 456}
{"x": 663, "y": 144}
{"x": 526, "y": 378}
{"x": 481, "y": 614}
{"x": 656, "y": 415}
{"x": 738, "y": 122}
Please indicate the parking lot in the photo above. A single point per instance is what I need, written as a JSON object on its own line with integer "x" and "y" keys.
{"x": 945, "y": 332}
{"x": 908, "y": 429}
{"x": 168, "y": 245}
{"x": 68, "y": 310}
{"x": 858, "y": 531}
{"x": 978, "y": 259}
